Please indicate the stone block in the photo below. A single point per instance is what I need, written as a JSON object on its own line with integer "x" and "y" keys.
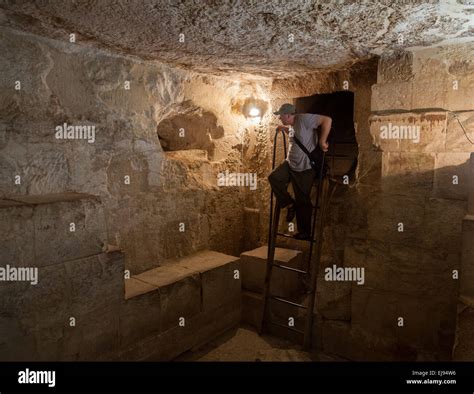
{"x": 95, "y": 282}
{"x": 456, "y": 139}
{"x": 409, "y": 132}
{"x": 89, "y": 175}
{"x": 451, "y": 176}
{"x": 460, "y": 99}
{"x": 14, "y": 345}
{"x": 388, "y": 211}
{"x": 135, "y": 167}
{"x": 254, "y": 263}
{"x": 17, "y": 235}
{"x": 421, "y": 273}
{"x": 407, "y": 173}
{"x": 94, "y": 337}
{"x": 395, "y": 66}
{"x": 48, "y": 302}
{"x": 49, "y": 342}
{"x": 221, "y": 285}
{"x": 441, "y": 226}
{"x": 432, "y": 132}
{"x": 430, "y": 93}
{"x": 201, "y": 281}
{"x": 416, "y": 312}
{"x": 377, "y": 126}
{"x": 335, "y": 338}
{"x": 333, "y": 299}
{"x": 352, "y": 343}
{"x": 48, "y": 167}
{"x": 380, "y": 313}
{"x": 180, "y": 299}
{"x": 375, "y": 311}
{"x": 54, "y": 242}
{"x": 252, "y": 221}
{"x": 198, "y": 330}
{"x": 252, "y": 308}
{"x": 403, "y": 269}
{"x": 140, "y": 314}
{"x": 392, "y": 95}
{"x": 135, "y": 287}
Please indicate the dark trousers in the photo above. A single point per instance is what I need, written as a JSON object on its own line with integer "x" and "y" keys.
{"x": 301, "y": 182}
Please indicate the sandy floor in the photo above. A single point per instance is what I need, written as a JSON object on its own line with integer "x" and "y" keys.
{"x": 244, "y": 344}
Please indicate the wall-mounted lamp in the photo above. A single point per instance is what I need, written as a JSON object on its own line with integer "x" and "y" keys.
{"x": 254, "y": 109}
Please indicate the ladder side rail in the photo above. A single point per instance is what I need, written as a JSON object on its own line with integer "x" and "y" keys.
{"x": 313, "y": 268}
{"x": 275, "y": 139}
{"x": 272, "y": 231}
{"x": 270, "y": 259}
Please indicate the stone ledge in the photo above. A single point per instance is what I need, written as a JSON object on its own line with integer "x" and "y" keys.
{"x": 175, "y": 270}
{"x": 16, "y": 201}
{"x": 467, "y": 301}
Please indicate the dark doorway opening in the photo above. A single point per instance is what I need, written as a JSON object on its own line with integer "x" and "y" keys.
{"x": 343, "y": 148}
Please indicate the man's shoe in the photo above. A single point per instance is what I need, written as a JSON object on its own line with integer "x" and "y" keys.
{"x": 303, "y": 236}
{"x": 291, "y": 212}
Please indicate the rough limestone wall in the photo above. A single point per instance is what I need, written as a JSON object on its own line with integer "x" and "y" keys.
{"x": 464, "y": 343}
{"x": 413, "y": 201}
{"x": 63, "y": 82}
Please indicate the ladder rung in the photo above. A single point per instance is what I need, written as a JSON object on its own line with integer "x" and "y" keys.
{"x": 290, "y": 268}
{"x": 287, "y": 327}
{"x": 292, "y": 236}
{"x": 339, "y": 155}
{"x": 288, "y": 302}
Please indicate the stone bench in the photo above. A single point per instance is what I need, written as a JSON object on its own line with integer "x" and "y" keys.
{"x": 180, "y": 305}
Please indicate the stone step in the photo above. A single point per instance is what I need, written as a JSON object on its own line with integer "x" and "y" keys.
{"x": 284, "y": 283}
{"x": 252, "y": 304}
{"x": 36, "y": 230}
{"x": 205, "y": 283}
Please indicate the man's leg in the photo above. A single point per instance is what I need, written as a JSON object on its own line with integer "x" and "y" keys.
{"x": 279, "y": 180}
{"x": 302, "y": 183}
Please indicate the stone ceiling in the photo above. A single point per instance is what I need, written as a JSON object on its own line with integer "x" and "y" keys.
{"x": 267, "y": 38}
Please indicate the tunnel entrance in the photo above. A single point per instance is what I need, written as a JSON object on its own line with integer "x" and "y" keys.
{"x": 342, "y": 141}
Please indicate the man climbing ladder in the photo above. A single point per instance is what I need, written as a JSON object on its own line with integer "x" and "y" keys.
{"x": 297, "y": 167}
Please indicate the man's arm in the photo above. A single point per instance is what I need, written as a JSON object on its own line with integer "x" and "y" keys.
{"x": 325, "y": 124}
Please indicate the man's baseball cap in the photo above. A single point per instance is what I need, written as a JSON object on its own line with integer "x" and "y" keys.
{"x": 286, "y": 109}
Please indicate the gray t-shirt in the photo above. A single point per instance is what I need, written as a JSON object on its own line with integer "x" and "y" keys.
{"x": 304, "y": 130}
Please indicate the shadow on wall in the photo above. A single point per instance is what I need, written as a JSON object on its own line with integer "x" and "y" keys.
{"x": 405, "y": 229}
{"x": 193, "y": 130}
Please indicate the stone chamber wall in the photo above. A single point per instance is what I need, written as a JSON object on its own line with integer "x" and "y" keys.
{"x": 408, "y": 274}
{"x": 139, "y": 195}
{"x": 71, "y": 84}
{"x": 402, "y": 217}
